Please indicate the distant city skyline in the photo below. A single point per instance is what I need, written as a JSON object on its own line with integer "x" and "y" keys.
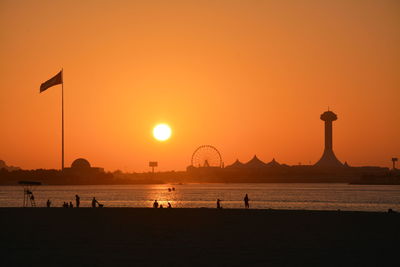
{"x": 249, "y": 77}
{"x": 328, "y": 159}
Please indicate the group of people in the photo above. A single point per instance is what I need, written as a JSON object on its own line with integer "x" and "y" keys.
{"x": 245, "y": 199}
{"x": 95, "y": 203}
{"x": 66, "y": 205}
{"x": 157, "y": 206}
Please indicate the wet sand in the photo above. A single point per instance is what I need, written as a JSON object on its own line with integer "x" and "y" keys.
{"x": 196, "y": 237}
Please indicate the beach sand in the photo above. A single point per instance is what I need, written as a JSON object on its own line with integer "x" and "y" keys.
{"x": 197, "y": 237}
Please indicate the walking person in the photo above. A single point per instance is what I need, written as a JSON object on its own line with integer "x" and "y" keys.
{"x": 219, "y": 204}
{"x": 246, "y": 201}
{"x": 94, "y": 202}
{"x": 77, "y": 200}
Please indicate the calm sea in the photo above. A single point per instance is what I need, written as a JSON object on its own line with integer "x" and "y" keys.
{"x": 262, "y": 196}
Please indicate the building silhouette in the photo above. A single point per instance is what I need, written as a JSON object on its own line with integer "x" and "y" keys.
{"x": 328, "y": 159}
{"x": 208, "y": 167}
{"x": 82, "y": 166}
{"x": 3, "y": 165}
{"x": 236, "y": 165}
{"x": 327, "y": 169}
{"x": 254, "y": 163}
{"x": 82, "y": 172}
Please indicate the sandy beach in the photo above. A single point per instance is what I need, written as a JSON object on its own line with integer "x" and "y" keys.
{"x": 196, "y": 237}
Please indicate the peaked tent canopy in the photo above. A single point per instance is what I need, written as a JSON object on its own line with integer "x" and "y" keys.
{"x": 255, "y": 163}
{"x": 273, "y": 164}
{"x": 236, "y": 164}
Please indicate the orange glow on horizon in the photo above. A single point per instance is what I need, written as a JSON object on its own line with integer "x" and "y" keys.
{"x": 249, "y": 77}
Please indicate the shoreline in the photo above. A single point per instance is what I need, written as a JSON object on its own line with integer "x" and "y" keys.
{"x": 218, "y": 182}
{"x": 251, "y": 210}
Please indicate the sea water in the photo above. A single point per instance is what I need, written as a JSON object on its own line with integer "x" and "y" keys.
{"x": 262, "y": 196}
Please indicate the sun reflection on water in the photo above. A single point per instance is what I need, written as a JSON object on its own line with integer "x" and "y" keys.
{"x": 163, "y": 194}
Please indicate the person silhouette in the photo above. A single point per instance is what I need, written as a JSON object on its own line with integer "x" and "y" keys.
{"x": 48, "y": 203}
{"x": 246, "y": 201}
{"x": 169, "y": 205}
{"x": 155, "y": 204}
{"x": 77, "y": 200}
{"x": 94, "y": 202}
{"x": 161, "y": 206}
{"x": 219, "y": 204}
{"x": 70, "y": 204}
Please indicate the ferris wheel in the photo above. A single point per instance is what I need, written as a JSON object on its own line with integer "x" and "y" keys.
{"x": 206, "y": 156}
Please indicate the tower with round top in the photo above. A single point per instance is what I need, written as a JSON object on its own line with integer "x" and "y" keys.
{"x": 328, "y": 159}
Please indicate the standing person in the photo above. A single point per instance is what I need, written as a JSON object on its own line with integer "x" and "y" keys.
{"x": 155, "y": 204}
{"x": 219, "y": 204}
{"x": 77, "y": 200}
{"x": 94, "y": 202}
{"x": 70, "y": 204}
{"x": 246, "y": 201}
{"x": 48, "y": 203}
{"x": 169, "y": 205}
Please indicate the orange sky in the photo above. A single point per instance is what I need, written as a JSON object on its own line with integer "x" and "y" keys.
{"x": 249, "y": 77}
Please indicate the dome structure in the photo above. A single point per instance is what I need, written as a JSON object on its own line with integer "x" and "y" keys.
{"x": 328, "y": 116}
{"x": 80, "y": 163}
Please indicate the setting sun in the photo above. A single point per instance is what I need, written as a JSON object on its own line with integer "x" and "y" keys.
{"x": 233, "y": 126}
{"x": 162, "y": 132}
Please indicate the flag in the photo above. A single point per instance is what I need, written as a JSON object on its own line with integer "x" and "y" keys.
{"x": 58, "y": 79}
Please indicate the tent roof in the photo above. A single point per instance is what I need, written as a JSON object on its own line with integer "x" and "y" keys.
{"x": 273, "y": 163}
{"x": 236, "y": 164}
{"x": 255, "y": 163}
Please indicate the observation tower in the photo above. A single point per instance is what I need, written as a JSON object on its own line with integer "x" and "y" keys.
{"x": 328, "y": 159}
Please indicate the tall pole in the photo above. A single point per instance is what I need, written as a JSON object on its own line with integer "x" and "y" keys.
{"x": 62, "y": 120}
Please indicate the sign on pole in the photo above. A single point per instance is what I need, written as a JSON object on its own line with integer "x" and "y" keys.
{"x": 153, "y": 164}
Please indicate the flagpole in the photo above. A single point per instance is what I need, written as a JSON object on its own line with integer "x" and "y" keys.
{"x": 62, "y": 120}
